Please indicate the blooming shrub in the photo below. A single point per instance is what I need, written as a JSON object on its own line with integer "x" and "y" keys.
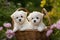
{"x": 43, "y": 2}
{"x": 7, "y": 25}
{"x": 9, "y": 34}
{"x": 54, "y": 26}
{"x": 6, "y": 32}
{"x": 49, "y": 32}
{"x": 52, "y": 15}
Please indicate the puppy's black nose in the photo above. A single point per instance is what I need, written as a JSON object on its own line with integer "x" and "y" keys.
{"x": 34, "y": 20}
{"x": 19, "y": 19}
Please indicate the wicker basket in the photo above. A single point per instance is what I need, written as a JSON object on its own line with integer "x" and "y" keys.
{"x": 31, "y": 34}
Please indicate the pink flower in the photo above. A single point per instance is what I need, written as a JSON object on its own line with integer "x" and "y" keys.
{"x": 53, "y": 26}
{"x": 7, "y": 25}
{"x": 49, "y": 32}
{"x": 58, "y": 24}
{"x": 9, "y": 34}
{"x": 1, "y": 28}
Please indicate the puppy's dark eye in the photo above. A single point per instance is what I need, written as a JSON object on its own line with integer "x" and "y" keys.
{"x": 21, "y": 16}
{"x": 16, "y": 17}
{"x": 32, "y": 18}
{"x": 37, "y": 17}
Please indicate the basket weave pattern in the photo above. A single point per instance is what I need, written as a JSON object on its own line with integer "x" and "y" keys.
{"x": 31, "y": 35}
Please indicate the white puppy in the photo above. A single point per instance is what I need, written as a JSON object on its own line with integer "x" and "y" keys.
{"x": 20, "y": 21}
{"x": 36, "y": 21}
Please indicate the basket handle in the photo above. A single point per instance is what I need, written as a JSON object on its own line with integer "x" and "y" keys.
{"x": 24, "y": 9}
{"x": 46, "y": 13}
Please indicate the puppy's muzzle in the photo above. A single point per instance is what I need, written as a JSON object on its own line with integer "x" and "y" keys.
{"x": 20, "y": 20}
{"x": 34, "y": 21}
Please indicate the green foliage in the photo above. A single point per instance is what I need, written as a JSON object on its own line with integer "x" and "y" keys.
{"x": 55, "y": 35}
{"x": 5, "y": 12}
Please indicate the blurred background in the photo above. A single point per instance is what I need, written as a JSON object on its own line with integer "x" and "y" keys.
{"x": 7, "y": 7}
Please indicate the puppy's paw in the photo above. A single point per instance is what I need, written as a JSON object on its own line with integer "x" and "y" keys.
{"x": 40, "y": 29}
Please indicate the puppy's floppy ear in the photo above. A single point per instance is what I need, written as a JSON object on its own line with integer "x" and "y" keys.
{"x": 12, "y": 16}
{"x": 26, "y": 13}
{"x": 42, "y": 15}
{"x": 29, "y": 18}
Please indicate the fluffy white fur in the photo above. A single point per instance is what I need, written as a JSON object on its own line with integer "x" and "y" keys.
{"x": 20, "y": 21}
{"x": 38, "y": 23}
